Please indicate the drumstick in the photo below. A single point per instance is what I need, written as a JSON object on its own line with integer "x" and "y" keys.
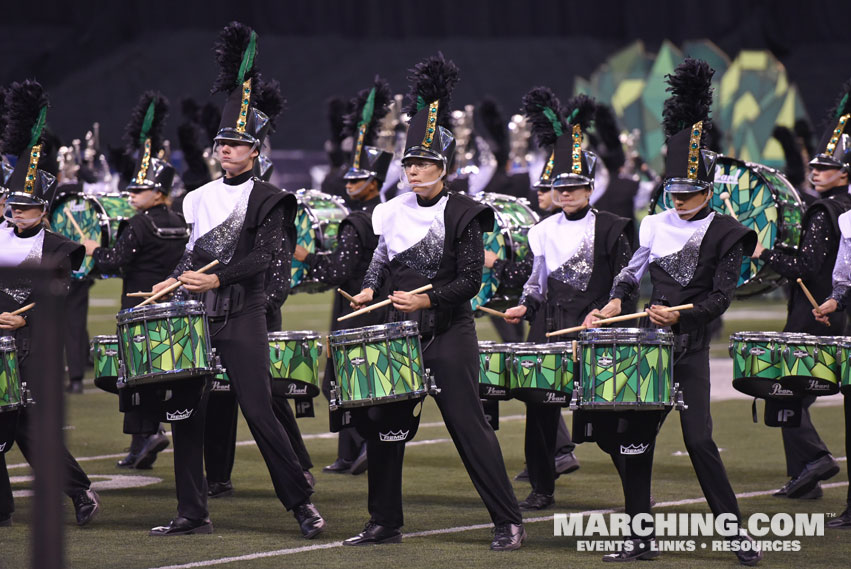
{"x": 492, "y": 312}
{"x": 22, "y": 309}
{"x": 726, "y": 197}
{"x": 620, "y": 318}
{"x": 74, "y": 222}
{"x": 346, "y": 295}
{"x": 810, "y": 297}
{"x": 372, "y": 307}
{"x": 176, "y": 285}
{"x": 139, "y": 294}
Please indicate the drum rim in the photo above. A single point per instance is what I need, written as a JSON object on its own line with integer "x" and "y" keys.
{"x": 342, "y": 336}
{"x": 284, "y": 335}
{"x": 639, "y": 335}
{"x": 153, "y": 311}
{"x": 554, "y": 348}
{"x": 104, "y": 339}
{"x": 755, "y": 335}
{"x": 7, "y": 344}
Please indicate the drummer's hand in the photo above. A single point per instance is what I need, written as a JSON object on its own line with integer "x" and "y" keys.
{"x": 161, "y": 285}
{"x": 362, "y": 298}
{"x": 193, "y": 281}
{"x": 90, "y": 246}
{"x": 660, "y": 316}
{"x": 515, "y": 314}
{"x": 613, "y": 308}
{"x": 828, "y": 307}
{"x": 757, "y": 251}
{"x": 407, "y": 302}
{"x": 300, "y": 253}
{"x": 9, "y": 321}
{"x": 490, "y": 257}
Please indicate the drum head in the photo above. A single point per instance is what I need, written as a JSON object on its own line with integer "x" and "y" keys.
{"x": 317, "y": 221}
{"x": 89, "y": 216}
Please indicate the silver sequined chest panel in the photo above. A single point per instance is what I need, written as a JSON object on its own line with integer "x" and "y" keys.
{"x": 20, "y": 288}
{"x": 221, "y": 240}
{"x": 682, "y": 264}
{"x": 576, "y": 271}
{"x": 424, "y": 257}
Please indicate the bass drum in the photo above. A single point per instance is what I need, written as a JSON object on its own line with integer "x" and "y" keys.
{"x": 510, "y": 240}
{"x": 317, "y": 221}
{"x": 762, "y": 200}
{"x": 98, "y": 216}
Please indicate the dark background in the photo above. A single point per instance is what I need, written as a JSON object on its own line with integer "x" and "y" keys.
{"x": 96, "y": 58}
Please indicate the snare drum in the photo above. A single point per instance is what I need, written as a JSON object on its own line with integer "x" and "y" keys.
{"x": 98, "y": 216}
{"x": 11, "y": 391}
{"x": 294, "y": 359}
{"x": 165, "y": 342}
{"x": 317, "y": 222}
{"x": 542, "y": 373}
{"x": 106, "y": 363}
{"x": 509, "y": 241}
{"x": 756, "y": 364}
{"x": 809, "y": 363}
{"x": 377, "y": 364}
{"x": 626, "y": 368}
{"x": 493, "y": 370}
{"x": 844, "y": 357}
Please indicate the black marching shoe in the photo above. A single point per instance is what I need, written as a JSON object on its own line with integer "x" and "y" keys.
{"x": 374, "y": 534}
{"x": 814, "y": 472}
{"x": 566, "y": 463}
{"x": 747, "y": 554}
{"x": 309, "y": 520}
{"x": 508, "y": 537}
{"x": 359, "y": 465}
{"x": 86, "y": 506}
{"x": 183, "y": 526}
{"x": 842, "y": 521}
{"x": 813, "y": 494}
{"x": 536, "y": 501}
{"x": 137, "y": 442}
{"x": 634, "y": 549}
{"x": 5, "y": 520}
{"x": 219, "y": 489}
{"x": 153, "y": 444}
{"x": 522, "y": 476}
{"x": 339, "y": 466}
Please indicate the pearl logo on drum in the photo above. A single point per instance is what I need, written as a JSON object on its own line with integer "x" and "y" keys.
{"x": 293, "y": 389}
{"x": 779, "y": 390}
{"x": 495, "y": 391}
{"x": 553, "y": 398}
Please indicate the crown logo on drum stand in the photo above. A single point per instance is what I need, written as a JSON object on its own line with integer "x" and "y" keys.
{"x": 179, "y": 415}
{"x": 394, "y": 436}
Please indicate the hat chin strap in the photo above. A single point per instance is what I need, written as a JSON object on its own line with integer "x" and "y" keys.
{"x": 692, "y": 210}
{"x": 407, "y": 184}
{"x": 353, "y": 193}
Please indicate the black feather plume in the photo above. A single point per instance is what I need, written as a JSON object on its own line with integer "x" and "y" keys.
{"x": 804, "y": 131}
{"x": 188, "y": 136}
{"x": 3, "y": 92}
{"x": 606, "y": 126}
{"x": 842, "y": 106}
{"x": 24, "y": 102}
{"x": 358, "y": 105}
{"x": 433, "y": 79}
{"x": 580, "y": 110}
{"x": 211, "y": 117}
{"x": 133, "y": 132}
{"x": 547, "y": 125}
{"x": 691, "y": 97}
{"x": 792, "y": 152}
{"x": 496, "y": 128}
{"x": 337, "y": 109}
{"x": 230, "y": 49}
{"x": 266, "y": 97}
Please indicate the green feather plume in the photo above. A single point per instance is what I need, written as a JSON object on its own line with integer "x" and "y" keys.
{"x": 553, "y": 118}
{"x": 146, "y": 124}
{"x": 368, "y": 108}
{"x": 38, "y": 126}
{"x": 247, "y": 59}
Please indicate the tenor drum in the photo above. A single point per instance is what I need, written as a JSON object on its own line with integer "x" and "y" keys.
{"x": 509, "y": 241}
{"x": 626, "y": 368}
{"x": 756, "y": 364}
{"x": 106, "y": 363}
{"x": 11, "y": 391}
{"x": 493, "y": 370}
{"x": 317, "y": 222}
{"x": 294, "y": 360}
{"x": 542, "y": 373}
{"x": 165, "y": 342}
{"x": 809, "y": 363}
{"x": 377, "y": 364}
{"x": 99, "y": 217}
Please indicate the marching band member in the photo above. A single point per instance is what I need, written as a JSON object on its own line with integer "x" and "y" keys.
{"x": 147, "y": 249}
{"x": 808, "y": 460}
{"x": 576, "y": 258}
{"x": 431, "y": 235}
{"x": 238, "y": 221}
{"x": 346, "y": 265}
{"x": 25, "y": 242}
{"x": 694, "y": 256}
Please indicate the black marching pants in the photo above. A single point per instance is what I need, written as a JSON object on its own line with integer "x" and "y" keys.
{"x": 76, "y": 333}
{"x": 542, "y": 426}
{"x": 802, "y": 444}
{"x": 349, "y": 441}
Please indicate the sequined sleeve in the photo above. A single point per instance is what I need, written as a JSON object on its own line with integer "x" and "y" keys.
{"x": 842, "y": 273}
{"x": 513, "y": 274}
{"x": 185, "y": 264}
{"x": 111, "y": 260}
{"x": 469, "y": 260}
{"x": 723, "y": 284}
{"x": 376, "y": 272}
{"x": 626, "y": 282}
{"x": 533, "y": 293}
{"x": 278, "y": 276}
{"x": 623, "y": 254}
{"x": 338, "y": 266}
{"x": 806, "y": 262}
{"x": 267, "y": 244}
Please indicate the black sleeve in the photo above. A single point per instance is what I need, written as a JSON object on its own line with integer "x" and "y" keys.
{"x": 119, "y": 256}
{"x": 339, "y": 265}
{"x": 185, "y": 264}
{"x": 278, "y": 281}
{"x": 267, "y": 245}
{"x": 468, "y": 266}
{"x": 812, "y": 253}
{"x": 723, "y": 284}
{"x": 513, "y": 274}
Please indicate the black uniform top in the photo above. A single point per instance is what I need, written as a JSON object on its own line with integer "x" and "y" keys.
{"x": 813, "y": 263}
{"x": 703, "y": 271}
{"x": 450, "y": 256}
{"x": 582, "y": 281}
{"x": 346, "y": 265}
{"x": 147, "y": 249}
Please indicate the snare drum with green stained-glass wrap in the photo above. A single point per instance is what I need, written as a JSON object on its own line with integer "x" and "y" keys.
{"x": 11, "y": 392}
{"x": 809, "y": 363}
{"x": 542, "y": 373}
{"x": 294, "y": 359}
{"x": 317, "y": 222}
{"x": 756, "y": 363}
{"x": 493, "y": 370}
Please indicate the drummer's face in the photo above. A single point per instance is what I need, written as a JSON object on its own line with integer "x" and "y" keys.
{"x": 545, "y": 199}
{"x": 687, "y": 202}
{"x": 235, "y": 157}
{"x": 145, "y": 199}
{"x": 26, "y": 216}
{"x": 574, "y": 198}
{"x": 827, "y": 178}
{"x": 422, "y": 171}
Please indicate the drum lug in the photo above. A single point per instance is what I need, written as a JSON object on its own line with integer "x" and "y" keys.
{"x": 680, "y": 403}
{"x": 333, "y": 402}
{"x": 574, "y": 399}
{"x": 432, "y": 387}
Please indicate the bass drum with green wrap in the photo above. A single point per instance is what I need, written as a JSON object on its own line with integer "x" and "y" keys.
{"x": 510, "y": 241}
{"x": 317, "y": 222}
{"x": 762, "y": 200}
